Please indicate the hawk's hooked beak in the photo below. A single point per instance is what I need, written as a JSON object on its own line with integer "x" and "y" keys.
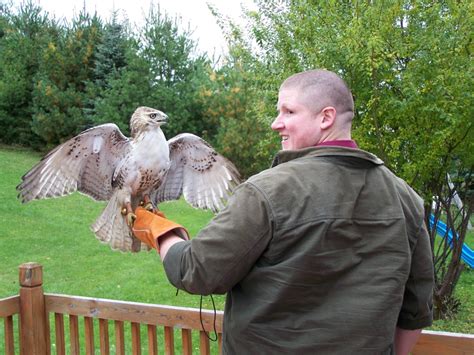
{"x": 163, "y": 119}
{"x": 159, "y": 117}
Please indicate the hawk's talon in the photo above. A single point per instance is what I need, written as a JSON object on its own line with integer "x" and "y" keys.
{"x": 149, "y": 207}
{"x": 147, "y": 204}
{"x": 131, "y": 217}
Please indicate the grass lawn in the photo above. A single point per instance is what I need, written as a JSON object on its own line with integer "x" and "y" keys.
{"x": 56, "y": 234}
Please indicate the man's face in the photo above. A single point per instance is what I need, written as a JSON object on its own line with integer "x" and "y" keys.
{"x": 297, "y": 124}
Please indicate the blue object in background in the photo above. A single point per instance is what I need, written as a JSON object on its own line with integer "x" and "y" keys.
{"x": 467, "y": 254}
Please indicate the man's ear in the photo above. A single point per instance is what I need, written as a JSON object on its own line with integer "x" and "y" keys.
{"x": 329, "y": 117}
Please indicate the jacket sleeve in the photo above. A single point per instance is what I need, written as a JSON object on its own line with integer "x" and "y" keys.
{"x": 417, "y": 307}
{"x": 224, "y": 251}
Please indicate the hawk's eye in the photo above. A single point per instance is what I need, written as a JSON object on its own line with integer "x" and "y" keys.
{"x": 153, "y": 115}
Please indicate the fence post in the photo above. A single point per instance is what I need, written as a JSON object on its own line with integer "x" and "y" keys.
{"x": 33, "y": 326}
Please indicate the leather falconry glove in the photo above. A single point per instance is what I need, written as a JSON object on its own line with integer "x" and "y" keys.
{"x": 149, "y": 227}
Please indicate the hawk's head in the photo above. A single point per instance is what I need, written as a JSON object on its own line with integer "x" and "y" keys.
{"x": 146, "y": 117}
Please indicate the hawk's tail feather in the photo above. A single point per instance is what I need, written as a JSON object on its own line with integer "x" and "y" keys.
{"x": 111, "y": 228}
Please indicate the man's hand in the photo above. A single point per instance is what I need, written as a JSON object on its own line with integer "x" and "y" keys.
{"x": 149, "y": 227}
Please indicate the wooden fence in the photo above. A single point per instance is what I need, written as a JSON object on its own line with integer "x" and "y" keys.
{"x": 34, "y": 309}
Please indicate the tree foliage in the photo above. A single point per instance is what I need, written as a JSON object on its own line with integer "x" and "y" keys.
{"x": 111, "y": 54}
{"x": 60, "y": 95}
{"x": 235, "y": 126}
{"x": 58, "y": 79}
{"x": 23, "y": 35}
{"x": 174, "y": 68}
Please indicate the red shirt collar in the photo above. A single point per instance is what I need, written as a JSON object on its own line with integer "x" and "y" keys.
{"x": 348, "y": 143}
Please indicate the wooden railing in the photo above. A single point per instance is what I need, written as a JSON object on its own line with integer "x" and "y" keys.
{"x": 37, "y": 313}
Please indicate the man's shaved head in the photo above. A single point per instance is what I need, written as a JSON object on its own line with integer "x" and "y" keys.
{"x": 320, "y": 88}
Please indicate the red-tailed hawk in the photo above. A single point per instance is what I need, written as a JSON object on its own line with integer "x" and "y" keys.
{"x": 107, "y": 166}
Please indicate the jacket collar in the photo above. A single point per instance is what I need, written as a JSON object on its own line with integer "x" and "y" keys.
{"x": 284, "y": 156}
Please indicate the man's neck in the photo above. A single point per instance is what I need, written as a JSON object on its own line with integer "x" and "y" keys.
{"x": 347, "y": 143}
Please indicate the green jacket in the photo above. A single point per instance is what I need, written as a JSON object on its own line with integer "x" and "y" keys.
{"x": 324, "y": 253}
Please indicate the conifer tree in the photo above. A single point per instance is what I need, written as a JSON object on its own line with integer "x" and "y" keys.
{"x": 60, "y": 94}
{"x": 111, "y": 52}
{"x": 23, "y": 36}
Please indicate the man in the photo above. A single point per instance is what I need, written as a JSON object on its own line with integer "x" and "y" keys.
{"x": 326, "y": 252}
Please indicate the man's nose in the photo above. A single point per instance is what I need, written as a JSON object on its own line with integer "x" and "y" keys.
{"x": 277, "y": 124}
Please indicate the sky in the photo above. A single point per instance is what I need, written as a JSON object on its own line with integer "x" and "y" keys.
{"x": 195, "y": 12}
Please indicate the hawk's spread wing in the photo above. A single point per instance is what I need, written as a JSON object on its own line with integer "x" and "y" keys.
{"x": 198, "y": 172}
{"x": 85, "y": 163}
